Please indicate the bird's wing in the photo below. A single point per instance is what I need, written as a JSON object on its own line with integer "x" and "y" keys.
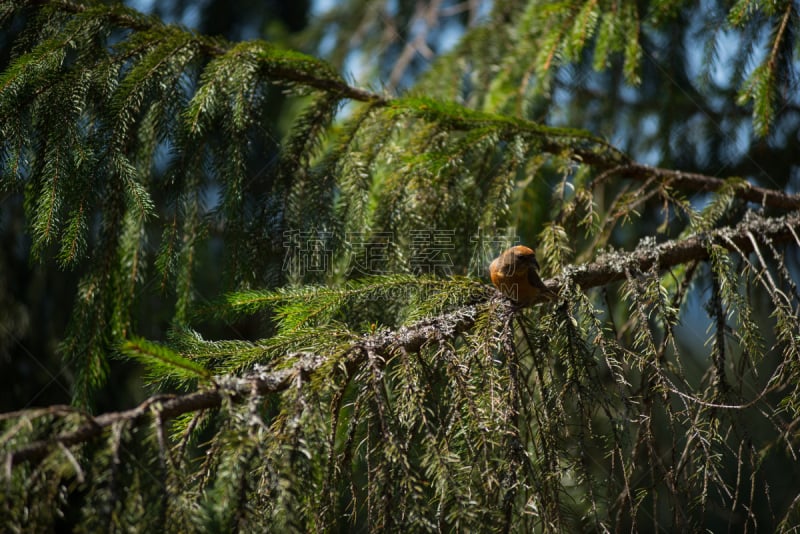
{"x": 533, "y": 278}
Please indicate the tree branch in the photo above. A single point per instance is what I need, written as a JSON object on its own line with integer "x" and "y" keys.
{"x": 701, "y": 182}
{"x": 583, "y": 147}
{"x": 258, "y": 383}
{"x": 611, "y": 267}
{"x": 608, "y": 268}
{"x": 217, "y": 47}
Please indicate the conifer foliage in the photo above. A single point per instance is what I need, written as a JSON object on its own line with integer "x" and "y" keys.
{"x": 388, "y": 386}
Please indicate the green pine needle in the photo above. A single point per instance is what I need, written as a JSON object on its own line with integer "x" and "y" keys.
{"x": 161, "y": 361}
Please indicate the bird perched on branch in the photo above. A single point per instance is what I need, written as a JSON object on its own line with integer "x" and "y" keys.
{"x": 515, "y": 273}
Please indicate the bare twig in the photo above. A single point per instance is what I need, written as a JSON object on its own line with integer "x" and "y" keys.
{"x": 700, "y": 182}
{"x": 427, "y": 17}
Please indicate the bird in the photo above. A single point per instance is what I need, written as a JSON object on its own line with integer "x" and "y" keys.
{"x": 515, "y": 273}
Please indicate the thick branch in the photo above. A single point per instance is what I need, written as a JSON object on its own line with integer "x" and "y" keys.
{"x": 260, "y": 383}
{"x": 612, "y": 267}
{"x": 169, "y": 406}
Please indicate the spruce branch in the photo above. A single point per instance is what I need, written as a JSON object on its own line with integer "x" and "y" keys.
{"x": 257, "y": 383}
{"x": 290, "y": 67}
{"x": 609, "y": 268}
{"x": 133, "y": 20}
{"x": 612, "y": 267}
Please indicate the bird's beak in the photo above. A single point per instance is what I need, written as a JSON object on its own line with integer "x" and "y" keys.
{"x": 534, "y": 263}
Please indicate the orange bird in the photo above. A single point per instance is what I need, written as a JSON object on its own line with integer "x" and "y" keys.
{"x": 515, "y": 273}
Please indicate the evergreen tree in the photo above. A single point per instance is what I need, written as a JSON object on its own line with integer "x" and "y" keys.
{"x": 296, "y": 263}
